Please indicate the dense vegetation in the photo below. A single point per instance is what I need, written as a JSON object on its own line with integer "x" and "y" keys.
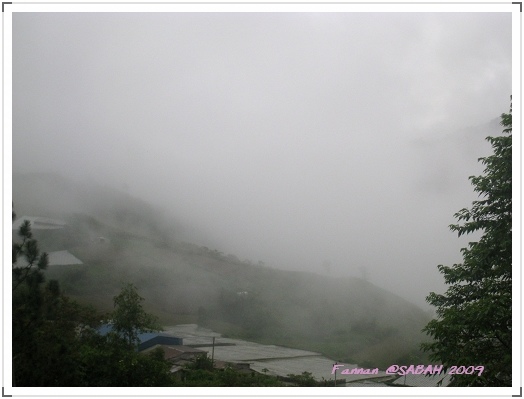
{"x": 56, "y": 343}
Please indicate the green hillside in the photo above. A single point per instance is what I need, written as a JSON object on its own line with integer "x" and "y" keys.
{"x": 123, "y": 240}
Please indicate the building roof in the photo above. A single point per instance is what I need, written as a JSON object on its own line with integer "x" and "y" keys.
{"x": 39, "y": 223}
{"x": 63, "y": 258}
{"x": 146, "y": 340}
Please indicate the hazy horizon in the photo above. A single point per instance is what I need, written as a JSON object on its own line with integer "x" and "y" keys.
{"x": 337, "y": 143}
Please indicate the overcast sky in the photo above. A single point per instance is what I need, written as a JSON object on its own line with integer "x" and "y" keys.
{"x": 299, "y": 139}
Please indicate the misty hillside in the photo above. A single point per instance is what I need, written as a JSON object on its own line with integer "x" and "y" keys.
{"x": 120, "y": 239}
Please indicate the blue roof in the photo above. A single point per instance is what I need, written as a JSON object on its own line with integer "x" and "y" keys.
{"x": 105, "y": 329}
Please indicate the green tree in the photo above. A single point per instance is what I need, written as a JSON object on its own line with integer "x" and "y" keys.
{"x": 28, "y": 263}
{"x": 202, "y": 362}
{"x": 473, "y": 324}
{"x": 129, "y": 319}
{"x": 46, "y": 324}
{"x": 55, "y": 341}
{"x": 108, "y": 361}
{"x": 27, "y": 277}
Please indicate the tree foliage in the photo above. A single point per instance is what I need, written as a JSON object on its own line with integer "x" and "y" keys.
{"x": 28, "y": 263}
{"x": 129, "y": 318}
{"x": 55, "y": 342}
{"x": 473, "y": 324}
{"x": 108, "y": 361}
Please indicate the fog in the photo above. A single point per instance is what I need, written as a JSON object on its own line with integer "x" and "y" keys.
{"x": 338, "y": 143}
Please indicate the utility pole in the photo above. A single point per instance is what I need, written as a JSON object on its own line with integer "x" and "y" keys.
{"x": 213, "y": 353}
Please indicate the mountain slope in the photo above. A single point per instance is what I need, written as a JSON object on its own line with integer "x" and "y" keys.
{"x": 121, "y": 239}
